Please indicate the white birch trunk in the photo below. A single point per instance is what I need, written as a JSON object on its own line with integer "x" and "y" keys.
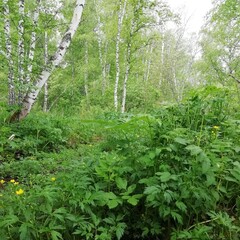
{"x": 86, "y": 73}
{"x": 11, "y": 88}
{"x": 126, "y": 78}
{"x": 120, "y": 21}
{"x": 45, "y": 100}
{"x": 21, "y": 51}
{"x": 99, "y": 39}
{"x": 104, "y": 70}
{"x": 148, "y": 63}
{"x": 32, "y": 95}
{"x": 128, "y": 62}
{"x": 162, "y": 61}
{"x": 101, "y": 60}
{"x": 32, "y": 42}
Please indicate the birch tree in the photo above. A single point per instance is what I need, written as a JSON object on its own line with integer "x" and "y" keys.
{"x": 142, "y": 22}
{"x": 86, "y": 73}
{"x": 128, "y": 62}
{"x": 45, "y": 100}
{"x": 121, "y": 14}
{"x": 102, "y": 51}
{"x": 32, "y": 94}
{"x": 7, "y": 27}
{"x": 33, "y": 42}
{"x": 20, "y": 51}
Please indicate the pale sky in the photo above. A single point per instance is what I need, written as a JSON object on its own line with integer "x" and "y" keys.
{"x": 195, "y": 9}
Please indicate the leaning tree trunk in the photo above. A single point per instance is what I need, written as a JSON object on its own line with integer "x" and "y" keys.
{"x": 11, "y": 87}
{"x": 32, "y": 95}
{"x": 120, "y": 21}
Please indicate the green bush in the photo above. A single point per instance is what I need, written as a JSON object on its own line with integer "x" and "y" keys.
{"x": 173, "y": 174}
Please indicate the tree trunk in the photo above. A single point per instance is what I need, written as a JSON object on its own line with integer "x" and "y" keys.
{"x": 32, "y": 42}
{"x": 100, "y": 49}
{"x": 45, "y": 101}
{"x": 86, "y": 73}
{"x": 120, "y": 21}
{"x": 128, "y": 62}
{"x": 11, "y": 87}
{"x": 148, "y": 63}
{"x": 162, "y": 60}
{"x": 21, "y": 51}
{"x": 32, "y": 95}
{"x": 126, "y": 78}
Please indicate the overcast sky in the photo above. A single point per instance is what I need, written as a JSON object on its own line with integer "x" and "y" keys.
{"x": 195, "y": 9}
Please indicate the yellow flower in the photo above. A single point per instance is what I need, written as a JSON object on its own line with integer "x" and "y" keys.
{"x": 19, "y": 192}
{"x": 1, "y": 195}
{"x": 2, "y": 181}
{"x": 53, "y": 179}
{"x": 216, "y": 127}
{"x": 16, "y": 183}
{"x": 12, "y": 181}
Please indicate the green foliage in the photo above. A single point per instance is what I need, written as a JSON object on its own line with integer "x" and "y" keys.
{"x": 172, "y": 174}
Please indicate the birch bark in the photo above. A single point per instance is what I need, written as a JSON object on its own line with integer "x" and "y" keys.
{"x": 11, "y": 87}
{"x": 120, "y": 21}
{"x": 102, "y": 58}
{"x": 86, "y": 73}
{"x": 45, "y": 100}
{"x": 148, "y": 63}
{"x": 128, "y": 62}
{"x": 32, "y": 42}
{"x": 162, "y": 60}
{"x": 32, "y": 95}
{"x": 21, "y": 51}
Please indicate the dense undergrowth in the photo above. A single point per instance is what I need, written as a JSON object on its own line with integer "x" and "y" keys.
{"x": 171, "y": 174}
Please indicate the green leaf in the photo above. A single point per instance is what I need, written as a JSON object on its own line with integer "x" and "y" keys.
{"x": 131, "y": 188}
{"x": 121, "y": 183}
{"x": 181, "y": 206}
{"x": 120, "y": 230}
{"x": 24, "y": 231}
{"x": 237, "y": 149}
{"x": 231, "y": 179}
{"x": 110, "y": 195}
{"x": 112, "y": 203}
{"x": 164, "y": 176}
{"x": 177, "y": 217}
{"x": 133, "y": 201}
{"x": 210, "y": 179}
{"x": 206, "y": 165}
{"x": 158, "y": 151}
{"x": 151, "y": 155}
{"x": 56, "y": 235}
{"x": 181, "y": 141}
{"x": 9, "y": 220}
{"x": 109, "y": 220}
{"x": 194, "y": 150}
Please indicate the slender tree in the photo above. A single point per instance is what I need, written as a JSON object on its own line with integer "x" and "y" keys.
{"x": 7, "y": 27}
{"x": 32, "y": 94}
{"x": 121, "y": 14}
{"x": 33, "y": 42}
